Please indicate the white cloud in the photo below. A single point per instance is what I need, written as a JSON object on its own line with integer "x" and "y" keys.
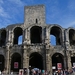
{"x": 71, "y": 5}
{"x": 1, "y": 1}
{"x": 4, "y": 23}
{"x": 10, "y": 11}
{"x": 53, "y": 12}
{"x": 18, "y": 2}
{"x": 70, "y": 24}
{"x": 3, "y": 13}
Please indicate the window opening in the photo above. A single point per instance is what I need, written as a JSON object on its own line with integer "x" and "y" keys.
{"x": 36, "y": 21}
{"x": 53, "y": 40}
{"x": 20, "y": 40}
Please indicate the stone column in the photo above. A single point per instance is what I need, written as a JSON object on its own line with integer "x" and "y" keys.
{"x": 62, "y": 35}
{"x": 43, "y": 34}
{"x": 69, "y": 61}
{"x": 25, "y": 37}
{"x": 21, "y": 61}
{"x": 49, "y": 63}
{"x": 9, "y": 64}
{"x": 65, "y": 62}
{"x": 47, "y": 38}
{"x": 28, "y": 36}
{"x": 67, "y": 44}
{"x": 25, "y": 59}
{"x": 7, "y": 60}
{"x": 44, "y": 63}
{"x": 9, "y": 38}
{"x": 8, "y": 44}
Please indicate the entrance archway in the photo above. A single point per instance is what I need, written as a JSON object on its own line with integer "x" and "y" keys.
{"x": 57, "y": 58}
{"x": 73, "y": 61}
{"x": 16, "y": 62}
{"x": 36, "y": 60}
{"x": 2, "y": 62}
{"x": 36, "y": 34}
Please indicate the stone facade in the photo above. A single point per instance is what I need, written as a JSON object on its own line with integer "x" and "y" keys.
{"x": 36, "y": 49}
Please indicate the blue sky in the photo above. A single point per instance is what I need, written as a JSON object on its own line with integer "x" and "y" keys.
{"x": 60, "y": 12}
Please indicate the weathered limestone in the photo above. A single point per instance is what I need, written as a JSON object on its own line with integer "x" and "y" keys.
{"x": 34, "y": 15}
{"x": 36, "y": 41}
{"x": 69, "y": 61}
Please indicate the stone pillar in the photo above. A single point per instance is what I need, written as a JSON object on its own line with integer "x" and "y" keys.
{"x": 66, "y": 48}
{"x": 44, "y": 63}
{"x": 65, "y": 59}
{"x": 28, "y": 36}
{"x": 21, "y": 61}
{"x": 26, "y": 32}
{"x": 43, "y": 34}
{"x": 25, "y": 37}
{"x": 65, "y": 62}
{"x": 47, "y": 39}
{"x": 25, "y": 59}
{"x": 7, "y": 61}
{"x": 67, "y": 43}
{"x": 62, "y": 35}
{"x": 69, "y": 61}
{"x": 9, "y": 38}
{"x": 49, "y": 63}
{"x": 9, "y": 64}
{"x": 8, "y": 44}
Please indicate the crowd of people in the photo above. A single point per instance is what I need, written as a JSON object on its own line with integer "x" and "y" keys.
{"x": 36, "y": 71}
{"x": 39, "y": 72}
{"x": 55, "y": 72}
{"x": 64, "y": 72}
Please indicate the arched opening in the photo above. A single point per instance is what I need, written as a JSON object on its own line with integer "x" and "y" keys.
{"x": 53, "y": 39}
{"x": 73, "y": 61}
{"x": 17, "y": 35}
{"x": 1, "y": 62}
{"x": 3, "y": 38}
{"x": 57, "y": 58}
{"x": 57, "y": 33}
{"x": 72, "y": 36}
{"x": 36, "y": 60}
{"x": 16, "y": 62}
{"x": 36, "y": 34}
